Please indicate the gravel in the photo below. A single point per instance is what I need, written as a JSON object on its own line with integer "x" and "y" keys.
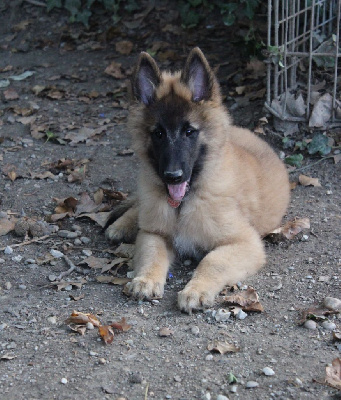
{"x": 310, "y": 324}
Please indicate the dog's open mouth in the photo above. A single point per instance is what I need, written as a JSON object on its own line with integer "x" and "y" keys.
{"x": 177, "y": 193}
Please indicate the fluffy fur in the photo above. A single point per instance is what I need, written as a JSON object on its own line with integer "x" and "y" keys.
{"x": 238, "y": 187}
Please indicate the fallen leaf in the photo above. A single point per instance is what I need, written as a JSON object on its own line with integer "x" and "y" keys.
{"x": 115, "y": 280}
{"x": 121, "y": 325}
{"x": 95, "y": 262}
{"x": 125, "y": 250}
{"x": 106, "y": 332}
{"x": 247, "y": 299}
{"x": 124, "y": 47}
{"x": 289, "y": 230}
{"x": 257, "y": 68}
{"x": 76, "y": 298}
{"x": 63, "y": 284}
{"x": 21, "y": 25}
{"x": 100, "y": 218}
{"x": 27, "y": 120}
{"x": 7, "y": 357}
{"x": 315, "y": 312}
{"x": 78, "y": 317}
{"x": 6, "y": 225}
{"x": 81, "y": 329}
{"x": 222, "y": 347}
{"x": 12, "y": 175}
{"x": 114, "y": 69}
{"x": 333, "y": 374}
{"x": 308, "y": 181}
{"x": 293, "y": 185}
{"x": 166, "y": 332}
{"x": 337, "y": 158}
{"x": 11, "y": 94}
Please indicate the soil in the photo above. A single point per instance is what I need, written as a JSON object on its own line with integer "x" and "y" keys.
{"x": 37, "y": 351}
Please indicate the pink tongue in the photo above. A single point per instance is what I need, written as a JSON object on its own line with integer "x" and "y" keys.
{"x": 177, "y": 192}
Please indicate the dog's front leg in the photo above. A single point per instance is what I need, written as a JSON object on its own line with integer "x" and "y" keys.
{"x": 151, "y": 262}
{"x": 225, "y": 265}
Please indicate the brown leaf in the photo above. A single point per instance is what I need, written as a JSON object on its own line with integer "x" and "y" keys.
{"x": 292, "y": 228}
{"x": 27, "y": 120}
{"x": 165, "y": 332}
{"x": 81, "y": 329}
{"x": 12, "y": 175}
{"x": 222, "y": 347}
{"x": 125, "y": 250}
{"x": 11, "y": 94}
{"x": 63, "y": 284}
{"x": 115, "y": 280}
{"x": 98, "y": 196}
{"x": 121, "y": 325}
{"x": 106, "y": 332}
{"x": 115, "y": 194}
{"x": 333, "y": 374}
{"x": 86, "y": 205}
{"x": 80, "y": 136}
{"x": 293, "y": 185}
{"x": 78, "y": 317}
{"x": 76, "y": 298}
{"x": 124, "y": 47}
{"x": 100, "y": 218}
{"x": 114, "y": 69}
{"x": 6, "y": 226}
{"x": 257, "y": 68}
{"x": 247, "y": 299}
{"x": 315, "y": 312}
{"x": 22, "y": 25}
{"x": 308, "y": 181}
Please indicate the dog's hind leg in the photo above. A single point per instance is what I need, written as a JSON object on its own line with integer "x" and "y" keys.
{"x": 225, "y": 265}
{"x": 125, "y": 228}
{"x": 152, "y": 259}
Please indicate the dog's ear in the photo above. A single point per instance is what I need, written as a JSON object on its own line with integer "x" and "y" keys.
{"x": 146, "y": 78}
{"x": 198, "y": 76}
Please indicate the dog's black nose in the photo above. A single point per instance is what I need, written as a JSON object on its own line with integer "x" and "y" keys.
{"x": 173, "y": 177}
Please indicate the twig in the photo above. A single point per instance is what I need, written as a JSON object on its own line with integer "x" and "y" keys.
{"x": 310, "y": 165}
{"x": 35, "y": 240}
{"x": 36, "y": 3}
{"x": 146, "y": 392}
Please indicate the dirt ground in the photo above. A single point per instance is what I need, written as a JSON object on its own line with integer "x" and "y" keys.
{"x": 69, "y": 95}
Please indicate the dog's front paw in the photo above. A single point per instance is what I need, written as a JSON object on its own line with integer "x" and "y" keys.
{"x": 193, "y": 299}
{"x": 145, "y": 288}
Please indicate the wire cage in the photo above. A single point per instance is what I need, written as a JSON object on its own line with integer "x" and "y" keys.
{"x": 303, "y": 84}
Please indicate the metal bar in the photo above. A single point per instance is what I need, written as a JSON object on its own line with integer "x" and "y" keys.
{"x": 310, "y": 57}
{"x": 336, "y": 59}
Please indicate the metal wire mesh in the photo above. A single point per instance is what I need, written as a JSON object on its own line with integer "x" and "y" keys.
{"x": 302, "y": 58}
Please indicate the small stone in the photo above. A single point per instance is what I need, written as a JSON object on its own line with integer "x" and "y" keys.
{"x": 90, "y": 326}
{"x": 3, "y": 326}
{"x": 329, "y": 326}
{"x": 8, "y": 285}
{"x": 17, "y": 258}
{"x": 195, "y": 330}
{"x": 63, "y": 381}
{"x": 93, "y": 353}
{"x": 332, "y": 303}
{"x": 310, "y": 324}
{"x": 241, "y": 314}
{"x": 52, "y": 277}
{"x": 76, "y": 228}
{"x": 8, "y": 250}
{"x": 251, "y": 384}
{"x": 222, "y": 397}
{"x": 68, "y": 288}
{"x": 2, "y": 260}
{"x": 77, "y": 242}
{"x": 87, "y": 252}
{"x": 177, "y": 378}
{"x": 55, "y": 253}
{"x": 30, "y": 261}
{"x": 22, "y": 287}
{"x": 207, "y": 396}
{"x": 136, "y": 378}
{"x": 298, "y": 382}
{"x": 187, "y": 263}
{"x": 233, "y": 389}
{"x": 209, "y": 357}
{"x": 268, "y": 371}
{"x": 102, "y": 361}
{"x": 52, "y": 320}
{"x": 85, "y": 240}
{"x": 67, "y": 234}
{"x": 222, "y": 315}
{"x": 305, "y": 238}
{"x": 154, "y": 301}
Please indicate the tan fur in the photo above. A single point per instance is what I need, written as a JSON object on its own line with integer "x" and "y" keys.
{"x": 240, "y": 195}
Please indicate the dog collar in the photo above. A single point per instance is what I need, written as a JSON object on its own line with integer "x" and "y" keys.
{"x": 173, "y": 203}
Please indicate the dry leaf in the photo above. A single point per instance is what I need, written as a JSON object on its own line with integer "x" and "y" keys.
{"x": 337, "y": 158}
{"x": 63, "y": 284}
{"x": 81, "y": 329}
{"x": 333, "y": 374}
{"x": 80, "y": 318}
{"x": 114, "y": 69}
{"x": 315, "y": 312}
{"x": 95, "y": 262}
{"x": 222, "y": 347}
{"x": 101, "y": 218}
{"x": 12, "y": 175}
{"x": 26, "y": 120}
{"x": 21, "y": 25}
{"x": 165, "y": 332}
{"x": 293, "y": 185}
{"x": 6, "y": 226}
{"x": 247, "y": 299}
{"x": 125, "y": 250}
{"x": 11, "y": 94}
{"x": 7, "y": 357}
{"x": 106, "y": 332}
{"x": 76, "y": 298}
{"x": 289, "y": 230}
{"x": 115, "y": 280}
{"x": 124, "y": 47}
{"x": 308, "y": 181}
{"x": 121, "y": 325}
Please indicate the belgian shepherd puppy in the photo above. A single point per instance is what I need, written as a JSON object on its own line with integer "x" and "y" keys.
{"x": 207, "y": 189}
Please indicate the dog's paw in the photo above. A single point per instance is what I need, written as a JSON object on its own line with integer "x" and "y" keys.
{"x": 145, "y": 288}
{"x": 191, "y": 299}
{"x": 116, "y": 233}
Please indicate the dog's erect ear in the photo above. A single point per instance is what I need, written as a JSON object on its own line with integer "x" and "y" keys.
{"x": 146, "y": 78}
{"x": 198, "y": 76}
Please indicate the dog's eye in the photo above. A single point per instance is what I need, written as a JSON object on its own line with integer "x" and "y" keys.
{"x": 189, "y": 131}
{"x": 158, "y": 133}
